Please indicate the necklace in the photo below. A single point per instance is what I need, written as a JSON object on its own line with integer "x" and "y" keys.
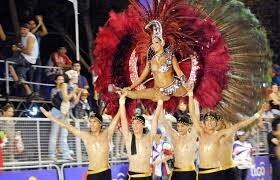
{"x": 159, "y": 56}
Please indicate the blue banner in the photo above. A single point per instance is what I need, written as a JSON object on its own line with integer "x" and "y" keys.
{"x": 119, "y": 172}
{"x": 29, "y": 175}
{"x": 261, "y": 171}
{"x": 75, "y": 173}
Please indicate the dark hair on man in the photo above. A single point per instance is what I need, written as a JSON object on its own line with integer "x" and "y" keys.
{"x": 184, "y": 119}
{"x": 24, "y": 25}
{"x": 66, "y": 78}
{"x": 211, "y": 115}
{"x": 140, "y": 118}
{"x": 7, "y": 106}
{"x": 275, "y": 122}
{"x": 32, "y": 19}
{"x": 96, "y": 115}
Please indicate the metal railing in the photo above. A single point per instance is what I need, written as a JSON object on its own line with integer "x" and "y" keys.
{"x": 7, "y": 78}
{"x": 35, "y": 133}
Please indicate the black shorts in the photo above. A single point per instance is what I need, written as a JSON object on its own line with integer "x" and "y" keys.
{"x": 138, "y": 178}
{"x": 104, "y": 175}
{"x": 228, "y": 174}
{"x": 183, "y": 175}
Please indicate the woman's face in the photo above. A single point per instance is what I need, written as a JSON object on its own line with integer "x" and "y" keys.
{"x": 9, "y": 112}
{"x": 157, "y": 44}
{"x": 59, "y": 80}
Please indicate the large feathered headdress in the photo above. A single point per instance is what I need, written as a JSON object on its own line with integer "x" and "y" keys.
{"x": 230, "y": 45}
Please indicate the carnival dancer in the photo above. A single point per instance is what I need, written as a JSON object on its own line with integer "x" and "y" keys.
{"x": 158, "y": 48}
{"x": 210, "y": 142}
{"x": 185, "y": 146}
{"x": 96, "y": 142}
{"x": 169, "y": 80}
{"x": 138, "y": 143}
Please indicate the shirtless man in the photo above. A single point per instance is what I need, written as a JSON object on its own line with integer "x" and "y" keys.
{"x": 138, "y": 144}
{"x": 211, "y": 141}
{"x": 184, "y": 142}
{"x": 96, "y": 142}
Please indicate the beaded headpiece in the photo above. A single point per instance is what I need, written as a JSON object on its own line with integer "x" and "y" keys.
{"x": 157, "y": 29}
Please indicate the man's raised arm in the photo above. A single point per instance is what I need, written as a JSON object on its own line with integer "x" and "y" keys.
{"x": 247, "y": 122}
{"x": 113, "y": 125}
{"x": 155, "y": 118}
{"x": 124, "y": 128}
{"x": 63, "y": 124}
{"x": 193, "y": 113}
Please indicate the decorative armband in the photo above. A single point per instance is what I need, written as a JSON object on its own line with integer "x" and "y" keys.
{"x": 183, "y": 79}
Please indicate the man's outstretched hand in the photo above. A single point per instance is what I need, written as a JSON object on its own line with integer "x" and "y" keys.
{"x": 46, "y": 113}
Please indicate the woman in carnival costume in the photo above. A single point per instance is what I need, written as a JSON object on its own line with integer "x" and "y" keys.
{"x": 160, "y": 49}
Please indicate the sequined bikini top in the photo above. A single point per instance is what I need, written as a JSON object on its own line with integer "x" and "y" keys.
{"x": 166, "y": 66}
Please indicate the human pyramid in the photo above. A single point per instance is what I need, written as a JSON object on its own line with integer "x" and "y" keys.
{"x": 188, "y": 56}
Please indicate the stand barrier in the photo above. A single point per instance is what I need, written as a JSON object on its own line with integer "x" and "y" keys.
{"x": 76, "y": 171}
{"x": 47, "y": 172}
{"x": 261, "y": 170}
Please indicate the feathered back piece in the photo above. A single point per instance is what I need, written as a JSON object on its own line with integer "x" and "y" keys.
{"x": 249, "y": 51}
{"x": 228, "y": 41}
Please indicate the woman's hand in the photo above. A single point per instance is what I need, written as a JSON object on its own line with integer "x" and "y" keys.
{"x": 189, "y": 86}
{"x": 122, "y": 97}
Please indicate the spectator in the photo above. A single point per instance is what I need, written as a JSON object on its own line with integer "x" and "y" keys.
{"x": 83, "y": 108}
{"x": 39, "y": 30}
{"x": 274, "y": 148}
{"x": 8, "y": 126}
{"x": 276, "y": 74}
{"x": 58, "y": 59}
{"x": 62, "y": 94}
{"x": 27, "y": 55}
{"x": 2, "y": 34}
{"x": 82, "y": 82}
{"x": 2, "y": 45}
{"x": 119, "y": 146}
{"x": 242, "y": 155}
{"x": 3, "y": 140}
{"x": 161, "y": 153}
{"x": 267, "y": 115}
